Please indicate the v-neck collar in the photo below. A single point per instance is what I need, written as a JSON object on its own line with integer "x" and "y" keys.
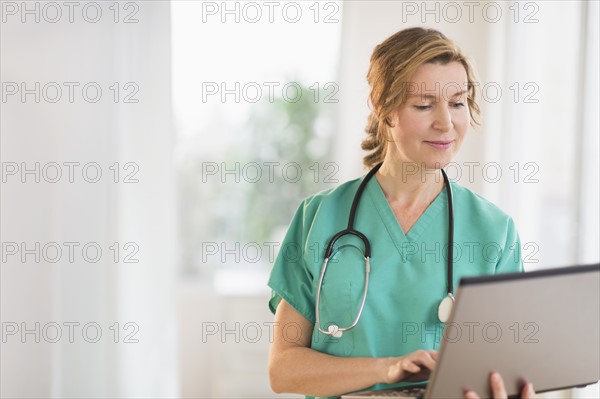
{"x": 377, "y": 196}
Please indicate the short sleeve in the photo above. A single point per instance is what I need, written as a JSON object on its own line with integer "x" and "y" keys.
{"x": 290, "y": 277}
{"x": 510, "y": 261}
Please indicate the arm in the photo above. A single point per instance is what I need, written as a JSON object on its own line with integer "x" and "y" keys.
{"x": 296, "y": 368}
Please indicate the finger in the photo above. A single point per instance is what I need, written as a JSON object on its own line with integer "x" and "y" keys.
{"x": 528, "y": 391}
{"x": 497, "y": 386}
{"x": 430, "y": 363}
{"x": 425, "y": 358}
{"x": 411, "y": 367}
{"x": 433, "y": 354}
{"x": 471, "y": 395}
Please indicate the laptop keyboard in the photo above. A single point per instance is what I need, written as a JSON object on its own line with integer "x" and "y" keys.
{"x": 410, "y": 392}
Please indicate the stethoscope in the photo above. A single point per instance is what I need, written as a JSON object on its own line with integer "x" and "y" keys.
{"x": 445, "y": 306}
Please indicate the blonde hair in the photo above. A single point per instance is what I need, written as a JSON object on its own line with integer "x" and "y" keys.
{"x": 393, "y": 63}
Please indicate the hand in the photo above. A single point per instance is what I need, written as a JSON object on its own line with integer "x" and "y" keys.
{"x": 415, "y": 366}
{"x": 499, "y": 391}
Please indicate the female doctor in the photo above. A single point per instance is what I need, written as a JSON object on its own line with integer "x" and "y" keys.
{"x": 339, "y": 328}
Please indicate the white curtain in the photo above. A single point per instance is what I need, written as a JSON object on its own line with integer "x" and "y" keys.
{"x": 125, "y": 294}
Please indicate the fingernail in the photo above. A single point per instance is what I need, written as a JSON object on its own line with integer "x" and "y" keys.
{"x": 496, "y": 378}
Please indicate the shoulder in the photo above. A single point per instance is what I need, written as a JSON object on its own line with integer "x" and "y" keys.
{"x": 482, "y": 223}
{"x": 323, "y": 211}
{"x": 333, "y": 198}
{"x": 480, "y": 210}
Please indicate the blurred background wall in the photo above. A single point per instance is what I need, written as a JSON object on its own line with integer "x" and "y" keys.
{"x": 153, "y": 153}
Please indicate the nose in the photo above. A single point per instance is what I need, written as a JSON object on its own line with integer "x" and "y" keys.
{"x": 443, "y": 119}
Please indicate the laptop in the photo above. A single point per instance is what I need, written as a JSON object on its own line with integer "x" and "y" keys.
{"x": 541, "y": 327}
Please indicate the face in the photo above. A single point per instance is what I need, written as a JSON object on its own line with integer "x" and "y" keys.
{"x": 428, "y": 129}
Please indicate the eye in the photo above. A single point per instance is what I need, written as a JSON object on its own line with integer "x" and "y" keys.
{"x": 458, "y": 105}
{"x": 422, "y": 107}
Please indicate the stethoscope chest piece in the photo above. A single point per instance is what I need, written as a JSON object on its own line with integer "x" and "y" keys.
{"x": 445, "y": 308}
{"x": 334, "y": 331}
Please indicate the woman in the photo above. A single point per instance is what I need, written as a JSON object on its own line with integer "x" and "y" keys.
{"x": 423, "y": 98}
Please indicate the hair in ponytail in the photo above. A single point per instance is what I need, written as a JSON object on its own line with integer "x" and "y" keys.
{"x": 375, "y": 142}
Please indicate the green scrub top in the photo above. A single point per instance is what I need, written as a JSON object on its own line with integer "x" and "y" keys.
{"x": 408, "y": 271}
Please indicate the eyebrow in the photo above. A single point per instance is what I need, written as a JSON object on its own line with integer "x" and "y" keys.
{"x": 457, "y": 94}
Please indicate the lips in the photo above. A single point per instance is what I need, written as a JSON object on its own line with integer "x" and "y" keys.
{"x": 440, "y": 144}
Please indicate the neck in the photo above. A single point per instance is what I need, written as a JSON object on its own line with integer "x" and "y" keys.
{"x": 408, "y": 184}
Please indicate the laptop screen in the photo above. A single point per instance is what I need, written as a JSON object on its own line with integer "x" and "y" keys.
{"x": 527, "y": 326}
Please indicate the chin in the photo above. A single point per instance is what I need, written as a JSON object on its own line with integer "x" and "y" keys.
{"x": 437, "y": 164}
